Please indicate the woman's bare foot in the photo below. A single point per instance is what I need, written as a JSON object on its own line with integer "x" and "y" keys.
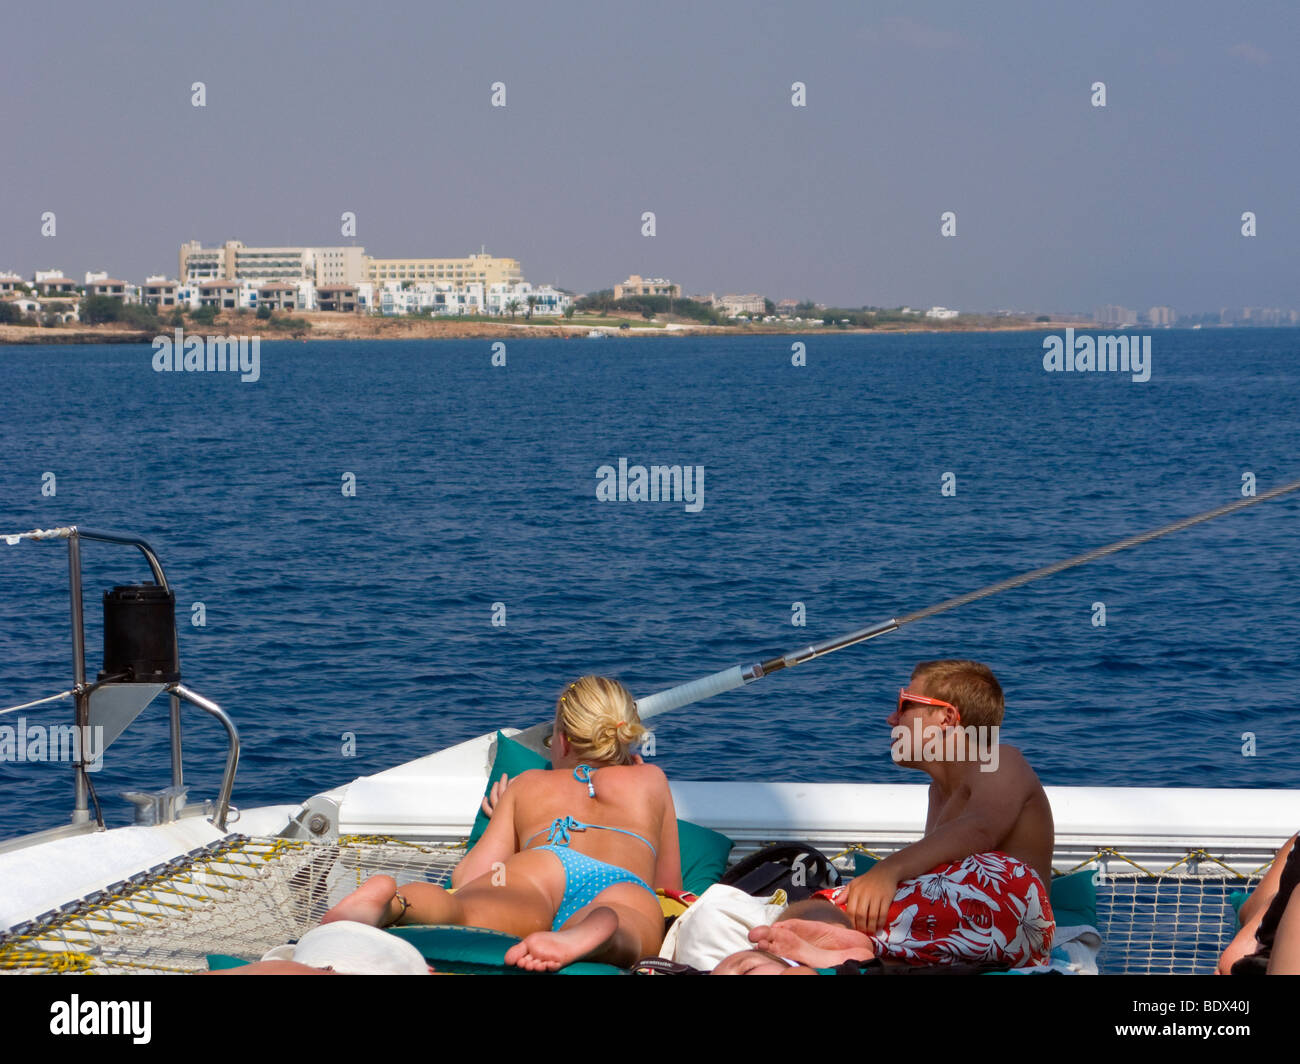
{"x": 786, "y": 941}
{"x": 368, "y": 904}
{"x": 547, "y": 951}
{"x": 817, "y": 933}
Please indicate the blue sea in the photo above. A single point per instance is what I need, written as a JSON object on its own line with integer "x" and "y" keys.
{"x": 329, "y": 615}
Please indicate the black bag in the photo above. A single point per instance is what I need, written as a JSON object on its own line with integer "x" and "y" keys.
{"x": 795, "y": 867}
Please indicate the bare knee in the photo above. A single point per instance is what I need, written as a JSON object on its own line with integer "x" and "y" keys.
{"x": 818, "y": 909}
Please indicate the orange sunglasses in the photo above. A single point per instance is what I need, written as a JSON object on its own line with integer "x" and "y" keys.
{"x": 904, "y": 697}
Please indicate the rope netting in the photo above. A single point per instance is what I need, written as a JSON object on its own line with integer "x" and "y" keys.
{"x": 243, "y": 896}
{"x": 1166, "y": 925}
{"x": 240, "y": 896}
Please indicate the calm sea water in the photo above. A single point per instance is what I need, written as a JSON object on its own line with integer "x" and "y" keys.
{"x": 372, "y": 615}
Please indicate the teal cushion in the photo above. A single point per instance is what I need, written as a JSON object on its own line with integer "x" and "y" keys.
{"x": 1073, "y": 897}
{"x": 704, "y": 855}
{"x": 478, "y": 951}
{"x": 1238, "y": 898}
{"x": 219, "y": 962}
{"x": 512, "y": 759}
{"x": 704, "y": 852}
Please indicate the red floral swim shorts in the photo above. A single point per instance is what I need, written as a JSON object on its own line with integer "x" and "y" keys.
{"x": 986, "y": 908}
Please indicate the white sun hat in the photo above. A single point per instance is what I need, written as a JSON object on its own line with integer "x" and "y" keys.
{"x": 351, "y": 948}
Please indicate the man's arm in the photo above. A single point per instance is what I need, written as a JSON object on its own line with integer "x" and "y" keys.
{"x": 995, "y": 804}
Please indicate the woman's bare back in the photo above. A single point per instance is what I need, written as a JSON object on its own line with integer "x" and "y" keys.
{"x": 632, "y": 798}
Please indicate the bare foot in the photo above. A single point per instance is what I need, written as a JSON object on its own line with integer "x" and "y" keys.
{"x": 368, "y": 904}
{"x": 784, "y": 941}
{"x": 547, "y": 951}
{"x": 816, "y": 933}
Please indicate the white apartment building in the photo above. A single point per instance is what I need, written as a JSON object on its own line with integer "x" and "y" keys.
{"x": 396, "y": 299}
{"x": 734, "y": 306}
{"x": 940, "y": 313}
{"x": 52, "y": 282}
{"x": 113, "y": 288}
{"x": 546, "y": 299}
{"x": 1116, "y": 315}
{"x": 287, "y": 295}
{"x": 228, "y": 295}
{"x": 158, "y": 291}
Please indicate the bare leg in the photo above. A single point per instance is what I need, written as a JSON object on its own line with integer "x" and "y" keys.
{"x": 272, "y": 968}
{"x": 1285, "y": 958}
{"x": 818, "y": 909}
{"x": 373, "y": 903}
{"x": 816, "y": 933}
{"x": 785, "y": 941}
{"x": 620, "y": 926}
{"x": 547, "y": 951}
{"x": 518, "y": 899}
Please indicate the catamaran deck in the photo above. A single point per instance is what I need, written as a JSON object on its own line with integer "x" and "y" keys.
{"x": 1165, "y": 862}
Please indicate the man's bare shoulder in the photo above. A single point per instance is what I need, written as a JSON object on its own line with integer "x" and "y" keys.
{"x": 1011, "y": 758}
{"x": 1011, "y": 770}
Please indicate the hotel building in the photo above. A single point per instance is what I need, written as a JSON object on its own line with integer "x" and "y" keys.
{"x": 482, "y": 269}
{"x": 234, "y": 261}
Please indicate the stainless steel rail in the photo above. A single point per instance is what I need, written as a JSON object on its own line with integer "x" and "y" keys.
{"x": 232, "y": 752}
{"x": 81, "y": 690}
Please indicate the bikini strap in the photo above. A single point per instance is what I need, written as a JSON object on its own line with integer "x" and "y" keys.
{"x": 559, "y": 830}
{"x": 561, "y": 826}
{"x": 583, "y": 775}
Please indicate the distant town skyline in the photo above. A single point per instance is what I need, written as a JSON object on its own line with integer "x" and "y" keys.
{"x": 814, "y": 153}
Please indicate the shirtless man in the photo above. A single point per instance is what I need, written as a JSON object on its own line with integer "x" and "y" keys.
{"x": 973, "y": 889}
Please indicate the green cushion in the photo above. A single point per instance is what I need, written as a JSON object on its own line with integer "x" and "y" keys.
{"x": 704, "y": 852}
{"x": 478, "y": 951}
{"x": 1073, "y": 897}
{"x": 704, "y": 855}
{"x": 218, "y": 962}
{"x": 512, "y": 759}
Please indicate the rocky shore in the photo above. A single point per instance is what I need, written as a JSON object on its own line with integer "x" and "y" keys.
{"x": 327, "y": 326}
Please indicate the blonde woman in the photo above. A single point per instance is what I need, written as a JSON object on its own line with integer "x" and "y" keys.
{"x": 570, "y": 859}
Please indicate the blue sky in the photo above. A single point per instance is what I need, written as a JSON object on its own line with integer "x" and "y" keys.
{"x": 913, "y": 109}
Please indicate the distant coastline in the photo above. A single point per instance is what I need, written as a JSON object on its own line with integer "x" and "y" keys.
{"x": 344, "y": 326}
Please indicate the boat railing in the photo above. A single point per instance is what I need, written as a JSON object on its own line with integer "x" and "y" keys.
{"x": 113, "y": 701}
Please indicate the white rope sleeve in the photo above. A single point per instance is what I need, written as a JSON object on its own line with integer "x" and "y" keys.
{"x": 14, "y": 538}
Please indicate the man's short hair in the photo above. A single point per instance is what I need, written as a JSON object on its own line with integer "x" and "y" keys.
{"x": 968, "y": 685}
